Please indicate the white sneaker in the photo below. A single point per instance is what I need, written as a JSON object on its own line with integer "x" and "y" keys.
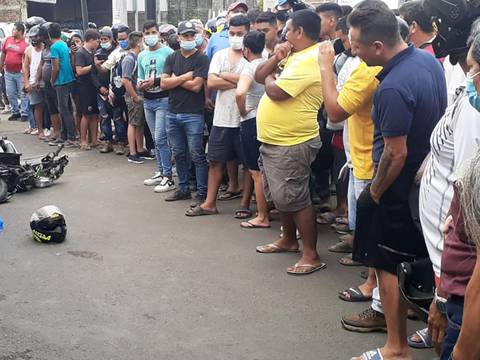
{"x": 7, "y": 110}
{"x": 154, "y": 180}
{"x": 165, "y": 185}
{"x": 47, "y": 132}
{"x": 34, "y": 132}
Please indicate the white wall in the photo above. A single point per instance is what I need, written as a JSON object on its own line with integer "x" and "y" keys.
{"x": 140, "y": 4}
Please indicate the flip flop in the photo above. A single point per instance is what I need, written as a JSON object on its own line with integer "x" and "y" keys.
{"x": 293, "y": 269}
{"x": 354, "y": 294}
{"x": 425, "y": 340}
{"x": 348, "y": 261}
{"x": 341, "y": 247}
{"x": 230, "y": 195}
{"x": 199, "y": 211}
{"x": 274, "y": 249}
{"x": 326, "y": 218}
{"x": 371, "y": 355}
{"x": 342, "y": 220}
{"x": 247, "y": 213}
{"x": 250, "y": 225}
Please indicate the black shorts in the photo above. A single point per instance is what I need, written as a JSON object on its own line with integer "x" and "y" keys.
{"x": 50, "y": 98}
{"x": 87, "y": 95}
{"x": 385, "y": 233}
{"x": 250, "y": 144}
{"x": 224, "y": 144}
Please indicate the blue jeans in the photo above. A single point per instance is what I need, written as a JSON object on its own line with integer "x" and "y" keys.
{"x": 185, "y": 132}
{"x": 454, "y": 317}
{"x": 355, "y": 188}
{"x": 14, "y": 86}
{"x": 107, "y": 114}
{"x": 155, "y": 115}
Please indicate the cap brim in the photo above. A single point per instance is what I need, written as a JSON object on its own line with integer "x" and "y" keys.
{"x": 244, "y": 6}
{"x": 193, "y": 31}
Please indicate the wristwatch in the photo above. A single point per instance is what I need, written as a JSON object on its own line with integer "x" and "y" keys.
{"x": 441, "y": 303}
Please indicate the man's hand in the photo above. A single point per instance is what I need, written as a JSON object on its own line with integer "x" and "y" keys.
{"x": 209, "y": 105}
{"x": 98, "y": 62}
{"x": 137, "y": 99}
{"x": 437, "y": 324}
{"x": 282, "y": 50}
{"x": 374, "y": 196}
{"x": 27, "y": 88}
{"x": 326, "y": 55}
{"x": 187, "y": 76}
{"x": 147, "y": 84}
{"x": 104, "y": 91}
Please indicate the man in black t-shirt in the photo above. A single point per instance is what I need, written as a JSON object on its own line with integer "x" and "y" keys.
{"x": 184, "y": 75}
{"x": 84, "y": 65}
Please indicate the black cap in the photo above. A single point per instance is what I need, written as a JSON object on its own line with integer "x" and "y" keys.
{"x": 186, "y": 27}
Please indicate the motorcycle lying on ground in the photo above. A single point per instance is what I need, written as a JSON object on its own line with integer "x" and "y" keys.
{"x": 15, "y": 176}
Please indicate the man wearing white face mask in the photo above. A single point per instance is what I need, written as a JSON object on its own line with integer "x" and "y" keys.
{"x": 150, "y": 69}
{"x": 224, "y": 142}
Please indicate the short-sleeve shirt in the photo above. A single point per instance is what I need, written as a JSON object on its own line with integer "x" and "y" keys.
{"x": 181, "y": 100}
{"x": 150, "y": 66}
{"x": 84, "y": 58}
{"x": 256, "y": 90}
{"x": 293, "y": 121}
{"x": 46, "y": 68}
{"x": 129, "y": 69}
{"x": 410, "y": 101}
{"x": 14, "y": 50}
{"x": 60, "y": 51}
{"x": 355, "y": 98}
{"x": 226, "y": 110}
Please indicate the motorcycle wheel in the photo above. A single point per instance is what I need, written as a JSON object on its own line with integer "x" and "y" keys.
{"x": 3, "y": 191}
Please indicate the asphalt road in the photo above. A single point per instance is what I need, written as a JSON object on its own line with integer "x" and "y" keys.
{"x": 136, "y": 279}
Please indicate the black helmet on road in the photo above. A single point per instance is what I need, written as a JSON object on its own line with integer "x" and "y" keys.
{"x": 48, "y": 225}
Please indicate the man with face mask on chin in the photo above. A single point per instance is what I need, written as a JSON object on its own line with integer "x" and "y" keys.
{"x": 224, "y": 142}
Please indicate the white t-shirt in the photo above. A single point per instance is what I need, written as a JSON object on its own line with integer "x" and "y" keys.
{"x": 256, "y": 90}
{"x": 454, "y": 141}
{"x": 226, "y": 111}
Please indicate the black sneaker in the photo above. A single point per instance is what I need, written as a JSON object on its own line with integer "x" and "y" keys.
{"x": 14, "y": 117}
{"x": 146, "y": 155}
{"x": 135, "y": 159}
{"x": 24, "y": 118}
{"x": 179, "y": 195}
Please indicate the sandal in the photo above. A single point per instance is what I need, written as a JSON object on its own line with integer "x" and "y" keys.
{"x": 342, "y": 220}
{"x": 425, "y": 340}
{"x": 326, "y": 218}
{"x": 27, "y": 131}
{"x": 354, "y": 294}
{"x": 199, "y": 211}
{"x": 341, "y": 247}
{"x": 293, "y": 270}
{"x": 370, "y": 355}
{"x": 242, "y": 213}
{"x": 230, "y": 195}
{"x": 273, "y": 248}
{"x": 250, "y": 225}
{"x": 85, "y": 147}
{"x": 348, "y": 261}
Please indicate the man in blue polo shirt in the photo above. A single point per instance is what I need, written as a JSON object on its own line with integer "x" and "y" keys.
{"x": 409, "y": 102}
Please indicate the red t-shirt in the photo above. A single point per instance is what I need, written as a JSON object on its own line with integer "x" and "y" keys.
{"x": 14, "y": 50}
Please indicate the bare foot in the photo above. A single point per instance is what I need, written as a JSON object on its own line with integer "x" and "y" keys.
{"x": 387, "y": 355}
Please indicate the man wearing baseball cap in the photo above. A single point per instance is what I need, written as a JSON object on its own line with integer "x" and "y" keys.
{"x": 219, "y": 40}
{"x": 184, "y": 74}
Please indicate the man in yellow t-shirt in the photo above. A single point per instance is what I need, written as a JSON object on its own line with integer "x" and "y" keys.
{"x": 288, "y": 130}
{"x": 354, "y": 103}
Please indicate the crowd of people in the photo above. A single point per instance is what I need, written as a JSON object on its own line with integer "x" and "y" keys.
{"x": 306, "y": 103}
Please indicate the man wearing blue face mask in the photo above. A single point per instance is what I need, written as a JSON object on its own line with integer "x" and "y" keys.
{"x": 184, "y": 75}
{"x": 150, "y": 68}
